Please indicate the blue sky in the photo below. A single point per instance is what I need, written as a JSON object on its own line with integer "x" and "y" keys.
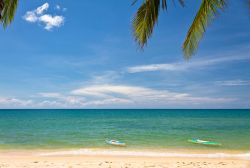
{"x": 60, "y": 54}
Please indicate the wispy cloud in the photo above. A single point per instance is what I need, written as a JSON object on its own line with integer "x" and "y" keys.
{"x": 14, "y": 102}
{"x": 237, "y": 82}
{"x": 41, "y": 9}
{"x": 142, "y": 96}
{"x": 65, "y": 100}
{"x": 77, "y": 101}
{"x": 185, "y": 65}
{"x": 112, "y": 95}
{"x": 157, "y": 67}
{"x": 48, "y": 20}
{"x": 105, "y": 77}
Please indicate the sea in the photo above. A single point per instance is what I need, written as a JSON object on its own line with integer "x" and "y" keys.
{"x": 140, "y": 129}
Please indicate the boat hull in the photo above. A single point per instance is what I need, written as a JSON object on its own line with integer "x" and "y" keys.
{"x": 203, "y": 142}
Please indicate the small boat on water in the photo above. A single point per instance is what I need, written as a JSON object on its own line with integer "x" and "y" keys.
{"x": 115, "y": 142}
{"x": 204, "y": 142}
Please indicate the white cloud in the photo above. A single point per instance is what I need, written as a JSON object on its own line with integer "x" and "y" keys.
{"x": 51, "y": 21}
{"x": 14, "y": 102}
{"x": 181, "y": 66}
{"x": 50, "y": 104}
{"x": 48, "y": 20}
{"x": 237, "y": 82}
{"x": 41, "y": 9}
{"x": 156, "y": 67}
{"x": 142, "y": 96}
{"x": 109, "y": 101}
{"x": 105, "y": 90}
{"x": 63, "y": 99}
{"x": 110, "y": 95}
{"x": 30, "y": 16}
{"x": 67, "y": 101}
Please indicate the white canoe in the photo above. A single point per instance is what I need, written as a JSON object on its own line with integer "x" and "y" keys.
{"x": 115, "y": 142}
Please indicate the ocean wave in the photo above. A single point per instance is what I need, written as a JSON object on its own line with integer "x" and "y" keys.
{"x": 91, "y": 152}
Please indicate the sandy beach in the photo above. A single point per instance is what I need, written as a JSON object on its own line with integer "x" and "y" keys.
{"x": 39, "y": 159}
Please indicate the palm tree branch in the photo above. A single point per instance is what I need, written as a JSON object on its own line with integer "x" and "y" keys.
{"x": 8, "y": 12}
{"x": 145, "y": 20}
{"x": 207, "y": 11}
{"x": 1, "y": 8}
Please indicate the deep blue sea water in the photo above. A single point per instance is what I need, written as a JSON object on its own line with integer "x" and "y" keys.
{"x": 140, "y": 129}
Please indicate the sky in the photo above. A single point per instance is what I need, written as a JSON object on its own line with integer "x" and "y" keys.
{"x": 60, "y": 54}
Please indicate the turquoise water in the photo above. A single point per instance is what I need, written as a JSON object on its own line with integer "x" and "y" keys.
{"x": 157, "y": 129}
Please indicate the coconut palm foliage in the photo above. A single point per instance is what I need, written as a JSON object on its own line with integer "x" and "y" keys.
{"x": 147, "y": 15}
{"x": 7, "y": 11}
{"x": 146, "y": 18}
{"x": 207, "y": 11}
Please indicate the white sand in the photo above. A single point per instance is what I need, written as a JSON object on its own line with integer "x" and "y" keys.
{"x": 36, "y": 159}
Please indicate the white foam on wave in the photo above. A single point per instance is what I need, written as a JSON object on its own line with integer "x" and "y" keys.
{"x": 91, "y": 152}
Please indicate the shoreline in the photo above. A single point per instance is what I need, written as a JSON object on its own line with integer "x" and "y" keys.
{"x": 124, "y": 152}
{"x": 50, "y": 159}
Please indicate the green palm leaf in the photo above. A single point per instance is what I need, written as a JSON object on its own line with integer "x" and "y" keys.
{"x": 1, "y": 8}
{"x": 8, "y": 11}
{"x": 207, "y": 11}
{"x": 146, "y": 18}
{"x": 144, "y": 21}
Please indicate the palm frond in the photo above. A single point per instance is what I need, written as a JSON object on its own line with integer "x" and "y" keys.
{"x": 207, "y": 11}
{"x": 146, "y": 18}
{"x": 1, "y": 8}
{"x": 144, "y": 21}
{"x": 8, "y": 12}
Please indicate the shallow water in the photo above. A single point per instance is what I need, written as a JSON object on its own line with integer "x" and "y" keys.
{"x": 140, "y": 129}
